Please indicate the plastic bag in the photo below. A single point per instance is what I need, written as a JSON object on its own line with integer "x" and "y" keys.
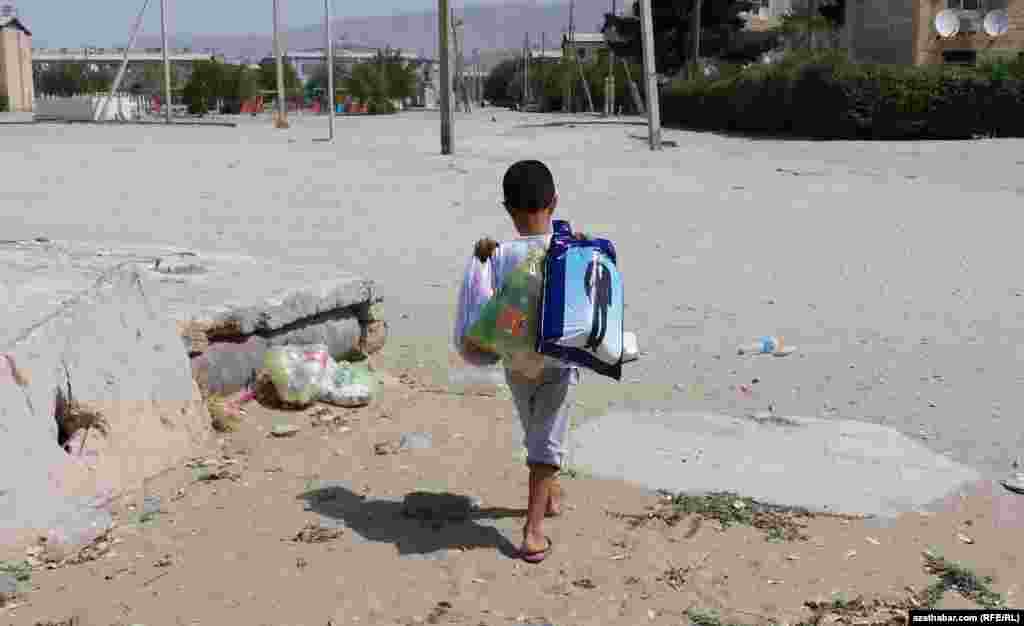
{"x": 469, "y": 369}
{"x": 297, "y": 372}
{"x": 508, "y": 323}
{"x": 348, "y": 385}
{"x": 582, "y": 311}
{"x": 476, "y": 290}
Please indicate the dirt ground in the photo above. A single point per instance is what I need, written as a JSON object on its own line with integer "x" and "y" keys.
{"x": 219, "y": 545}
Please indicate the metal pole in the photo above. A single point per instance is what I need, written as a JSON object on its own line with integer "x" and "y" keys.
{"x": 282, "y": 103}
{"x": 695, "y": 36}
{"x": 650, "y": 76}
{"x": 610, "y": 97}
{"x": 124, "y": 62}
{"x": 446, "y": 79}
{"x": 330, "y": 66}
{"x": 167, "y": 62}
{"x": 526, "y": 70}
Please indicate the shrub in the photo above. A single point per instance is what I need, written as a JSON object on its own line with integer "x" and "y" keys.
{"x": 5, "y": 104}
{"x": 825, "y": 96}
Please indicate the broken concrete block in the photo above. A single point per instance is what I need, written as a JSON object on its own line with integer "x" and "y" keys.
{"x": 227, "y": 366}
{"x": 289, "y": 306}
{"x": 111, "y": 352}
{"x": 341, "y": 336}
{"x": 374, "y": 336}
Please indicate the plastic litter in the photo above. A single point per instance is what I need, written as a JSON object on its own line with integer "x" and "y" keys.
{"x": 297, "y": 372}
{"x": 348, "y": 385}
{"x": 768, "y": 344}
{"x": 630, "y": 347}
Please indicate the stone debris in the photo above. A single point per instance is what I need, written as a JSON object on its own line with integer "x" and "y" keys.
{"x": 416, "y": 441}
{"x": 183, "y": 263}
{"x": 316, "y": 533}
{"x": 284, "y": 430}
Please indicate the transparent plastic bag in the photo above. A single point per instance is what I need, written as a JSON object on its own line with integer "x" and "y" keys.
{"x": 348, "y": 385}
{"x": 297, "y": 372}
{"x": 476, "y": 291}
{"x": 470, "y": 368}
{"x": 508, "y": 323}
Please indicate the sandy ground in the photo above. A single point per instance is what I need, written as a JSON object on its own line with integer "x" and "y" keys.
{"x": 887, "y": 264}
{"x": 222, "y": 552}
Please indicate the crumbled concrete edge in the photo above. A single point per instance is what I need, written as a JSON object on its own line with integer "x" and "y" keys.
{"x": 198, "y": 335}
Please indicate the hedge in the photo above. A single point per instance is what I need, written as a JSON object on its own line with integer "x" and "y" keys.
{"x": 5, "y": 104}
{"x": 826, "y": 97}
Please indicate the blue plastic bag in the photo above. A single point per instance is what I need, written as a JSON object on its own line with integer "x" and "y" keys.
{"x": 581, "y": 317}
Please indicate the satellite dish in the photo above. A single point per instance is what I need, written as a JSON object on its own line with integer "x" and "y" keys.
{"x": 997, "y": 22}
{"x": 947, "y": 23}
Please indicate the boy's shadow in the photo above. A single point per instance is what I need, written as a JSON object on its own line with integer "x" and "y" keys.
{"x": 423, "y": 524}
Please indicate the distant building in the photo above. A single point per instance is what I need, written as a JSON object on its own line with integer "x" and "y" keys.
{"x": 584, "y": 46}
{"x": 16, "y": 87}
{"x": 307, "y": 62}
{"x": 545, "y": 56}
{"x": 110, "y": 59}
{"x": 903, "y": 31}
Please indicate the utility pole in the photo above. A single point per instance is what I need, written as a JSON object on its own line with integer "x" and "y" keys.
{"x": 167, "y": 63}
{"x": 650, "y": 75}
{"x": 446, "y": 80}
{"x": 124, "y": 62}
{"x": 330, "y": 67}
{"x": 526, "y": 70}
{"x": 575, "y": 58}
{"x": 695, "y": 36}
{"x": 282, "y": 103}
{"x": 609, "y": 99}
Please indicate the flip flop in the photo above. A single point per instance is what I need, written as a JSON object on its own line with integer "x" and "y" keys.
{"x": 536, "y": 556}
{"x": 1016, "y": 486}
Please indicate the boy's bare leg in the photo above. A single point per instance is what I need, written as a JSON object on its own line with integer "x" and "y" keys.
{"x": 555, "y": 497}
{"x": 541, "y": 479}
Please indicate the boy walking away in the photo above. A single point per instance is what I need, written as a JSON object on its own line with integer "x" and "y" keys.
{"x": 542, "y": 402}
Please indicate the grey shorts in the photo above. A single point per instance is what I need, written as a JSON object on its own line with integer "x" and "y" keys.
{"x": 543, "y": 407}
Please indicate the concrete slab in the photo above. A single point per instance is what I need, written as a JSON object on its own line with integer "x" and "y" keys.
{"x": 36, "y": 277}
{"x": 824, "y": 465}
{"x": 110, "y": 350}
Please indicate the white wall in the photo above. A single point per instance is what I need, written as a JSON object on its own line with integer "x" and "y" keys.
{"x": 86, "y": 108}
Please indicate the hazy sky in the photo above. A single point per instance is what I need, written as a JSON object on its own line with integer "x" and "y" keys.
{"x": 72, "y": 23}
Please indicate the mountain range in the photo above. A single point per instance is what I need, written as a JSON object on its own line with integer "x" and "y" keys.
{"x": 487, "y": 27}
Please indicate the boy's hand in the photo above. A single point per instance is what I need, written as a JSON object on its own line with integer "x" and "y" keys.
{"x": 581, "y": 236}
{"x": 485, "y": 249}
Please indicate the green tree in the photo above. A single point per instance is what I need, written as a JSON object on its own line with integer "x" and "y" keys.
{"x": 381, "y": 81}
{"x": 240, "y": 83}
{"x": 720, "y": 21}
{"x": 208, "y": 82}
{"x": 503, "y": 85}
{"x": 151, "y": 79}
{"x": 268, "y": 79}
{"x": 69, "y": 79}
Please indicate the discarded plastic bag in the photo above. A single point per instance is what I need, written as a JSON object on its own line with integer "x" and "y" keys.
{"x": 297, "y": 372}
{"x": 508, "y": 323}
{"x": 347, "y": 384}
